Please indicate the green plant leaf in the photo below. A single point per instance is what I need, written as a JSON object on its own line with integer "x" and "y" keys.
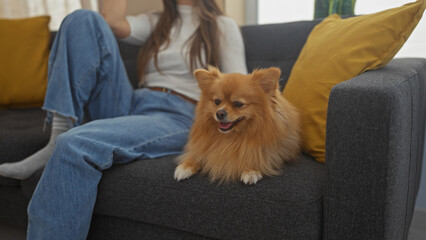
{"x": 324, "y": 8}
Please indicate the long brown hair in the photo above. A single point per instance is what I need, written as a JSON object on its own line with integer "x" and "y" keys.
{"x": 205, "y": 37}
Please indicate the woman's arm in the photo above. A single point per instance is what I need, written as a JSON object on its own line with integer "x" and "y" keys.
{"x": 114, "y": 12}
{"x": 231, "y": 46}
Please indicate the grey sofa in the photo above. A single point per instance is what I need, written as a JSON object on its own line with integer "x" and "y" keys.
{"x": 365, "y": 190}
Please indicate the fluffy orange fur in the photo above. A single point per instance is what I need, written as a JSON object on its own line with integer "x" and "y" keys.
{"x": 267, "y": 136}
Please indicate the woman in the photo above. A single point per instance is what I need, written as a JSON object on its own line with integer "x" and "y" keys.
{"x": 87, "y": 80}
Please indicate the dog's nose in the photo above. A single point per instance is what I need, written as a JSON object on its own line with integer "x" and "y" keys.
{"x": 221, "y": 114}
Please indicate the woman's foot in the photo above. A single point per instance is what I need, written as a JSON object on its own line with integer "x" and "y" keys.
{"x": 24, "y": 169}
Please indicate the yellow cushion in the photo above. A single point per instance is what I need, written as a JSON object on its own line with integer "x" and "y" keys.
{"x": 338, "y": 50}
{"x": 24, "y": 47}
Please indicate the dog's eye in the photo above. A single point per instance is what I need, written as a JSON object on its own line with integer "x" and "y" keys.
{"x": 217, "y": 101}
{"x": 237, "y": 104}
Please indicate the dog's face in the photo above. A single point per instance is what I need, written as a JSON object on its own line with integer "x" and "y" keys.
{"x": 231, "y": 101}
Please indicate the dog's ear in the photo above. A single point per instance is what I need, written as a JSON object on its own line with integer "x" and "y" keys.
{"x": 206, "y": 77}
{"x": 267, "y": 78}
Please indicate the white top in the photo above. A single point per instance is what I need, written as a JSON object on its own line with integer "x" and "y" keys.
{"x": 174, "y": 60}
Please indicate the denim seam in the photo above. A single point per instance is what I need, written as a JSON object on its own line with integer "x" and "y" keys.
{"x": 116, "y": 98}
{"x": 132, "y": 106}
{"x": 159, "y": 138}
{"x": 104, "y": 52}
{"x": 108, "y": 80}
{"x": 78, "y": 83}
{"x": 87, "y": 72}
{"x": 185, "y": 102}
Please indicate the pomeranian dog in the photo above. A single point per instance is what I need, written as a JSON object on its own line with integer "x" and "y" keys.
{"x": 243, "y": 128}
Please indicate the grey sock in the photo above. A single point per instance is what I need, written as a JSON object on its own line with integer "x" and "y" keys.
{"x": 24, "y": 169}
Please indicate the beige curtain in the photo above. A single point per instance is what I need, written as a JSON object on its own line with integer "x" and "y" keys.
{"x": 56, "y": 9}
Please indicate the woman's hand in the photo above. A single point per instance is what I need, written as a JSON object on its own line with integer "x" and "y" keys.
{"x": 114, "y": 13}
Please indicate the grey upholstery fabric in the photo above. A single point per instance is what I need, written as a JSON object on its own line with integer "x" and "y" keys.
{"x": 13, "y": 205}
{"x": 289, "y": 205}
{"x": 375, "y": 128}
{"x": 144, "y": 191}
{"x": 113, "y": 228}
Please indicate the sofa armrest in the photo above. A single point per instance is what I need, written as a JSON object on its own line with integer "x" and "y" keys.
{"x": 374, "y": 150}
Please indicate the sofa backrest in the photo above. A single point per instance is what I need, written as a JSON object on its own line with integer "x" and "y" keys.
{"x": 266, "y": 45}
{"x": 130, "y": 53}
{"x": 276, "y": 45}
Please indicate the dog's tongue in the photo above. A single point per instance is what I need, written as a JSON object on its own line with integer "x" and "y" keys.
{"x": 225, "y": 125}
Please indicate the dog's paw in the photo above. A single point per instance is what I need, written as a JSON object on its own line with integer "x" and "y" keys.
{"x": 251, "y": 177}
{"x": 182, "y": 172}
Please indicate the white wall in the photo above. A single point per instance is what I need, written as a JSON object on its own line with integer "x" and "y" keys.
{"x": 57, "y": 9}
{"x": 416, "y": 43}
{"x": 235, "y": 9}
{"x": 272, "y": 11}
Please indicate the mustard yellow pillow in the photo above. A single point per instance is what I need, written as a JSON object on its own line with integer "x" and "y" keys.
{"x": 24, "y": 47}
{"x": 338, "y": 50}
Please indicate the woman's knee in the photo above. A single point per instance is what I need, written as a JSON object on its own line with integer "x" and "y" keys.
{"x": 67, "y": 139}
{"x": 76, "y": 138}
{"x": 84, "y": 15}
{"x": 83, "y": 18}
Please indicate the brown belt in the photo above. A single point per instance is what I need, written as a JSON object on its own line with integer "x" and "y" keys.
{"x": 166, "y": 90}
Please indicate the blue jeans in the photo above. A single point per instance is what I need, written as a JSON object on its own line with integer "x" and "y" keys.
{"x": 87, "y": 79}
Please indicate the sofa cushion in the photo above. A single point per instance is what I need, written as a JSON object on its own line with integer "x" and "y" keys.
{"x": 288, "y": 205}
{"x": 338, "y": 50}
{"x": 13, "y": 207}
{"x": 24, "y": 56}
{"x": 21, "y": 132}
{"x": 112, "y": 228}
